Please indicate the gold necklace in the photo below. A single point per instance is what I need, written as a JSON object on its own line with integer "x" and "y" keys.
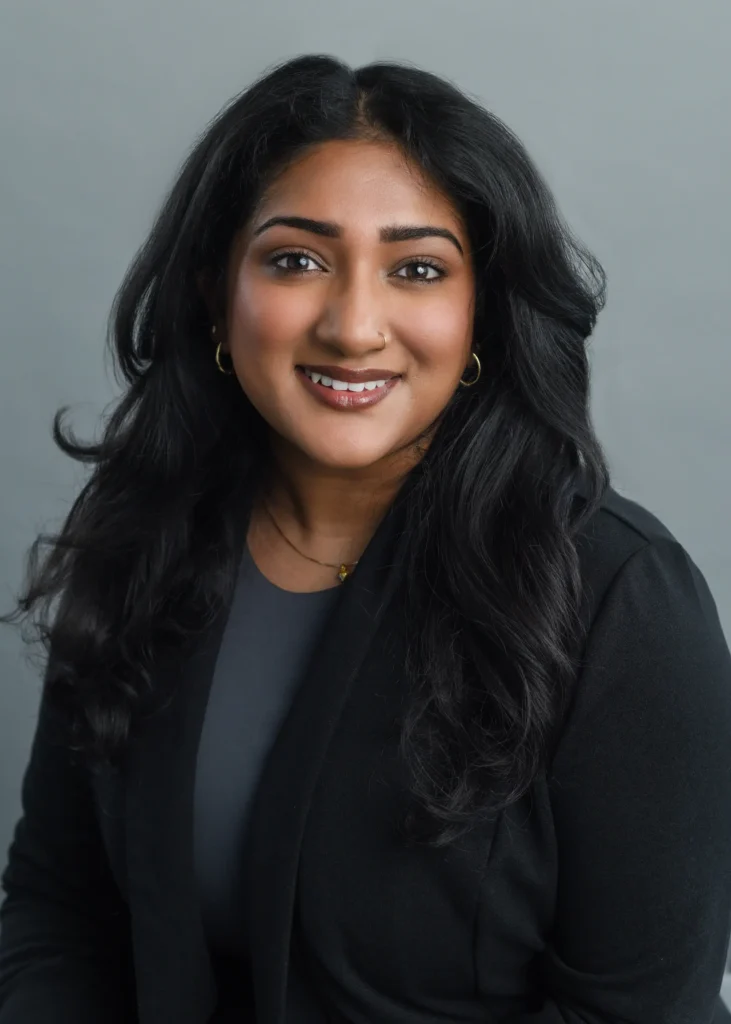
{"x": 344, "y": 568}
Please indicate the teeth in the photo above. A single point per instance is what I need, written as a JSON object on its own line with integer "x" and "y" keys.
{"x": 341, "y": 385}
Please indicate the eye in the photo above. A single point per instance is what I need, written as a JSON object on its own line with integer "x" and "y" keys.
{"x": 302, "y": 258}
{"x": 292, "y": 254}
{"x": 424, "y": 265}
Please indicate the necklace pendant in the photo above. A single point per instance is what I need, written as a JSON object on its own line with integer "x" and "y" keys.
{"x": 343, "y": 573}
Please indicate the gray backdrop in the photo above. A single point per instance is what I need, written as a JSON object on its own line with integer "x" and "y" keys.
{"x": 624, "y": 105}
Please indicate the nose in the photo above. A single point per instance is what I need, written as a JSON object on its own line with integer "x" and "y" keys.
{"x": 353, "y": 317}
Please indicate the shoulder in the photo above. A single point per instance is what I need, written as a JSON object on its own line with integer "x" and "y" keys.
{"x": 640, "y": 581}
{"x": 625, "y": 521}
{"x": 626, "y": 550}
{"x": 619, "y": 530}
{"x": 655, "y": 661}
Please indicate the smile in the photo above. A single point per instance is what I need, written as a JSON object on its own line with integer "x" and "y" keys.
{"x": 363, "y": 389}
{"x": 341, "y": 385}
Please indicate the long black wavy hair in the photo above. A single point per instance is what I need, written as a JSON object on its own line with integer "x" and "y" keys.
{"x": 147, "y": 554}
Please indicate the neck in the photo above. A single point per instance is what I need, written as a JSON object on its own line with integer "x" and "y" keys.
{"x": 319, "y": 501}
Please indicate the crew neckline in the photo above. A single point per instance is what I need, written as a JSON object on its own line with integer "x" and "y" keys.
{"x": 249, "y": 560}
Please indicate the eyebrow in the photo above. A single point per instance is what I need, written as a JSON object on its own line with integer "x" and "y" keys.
{"x": 390, "y": 233}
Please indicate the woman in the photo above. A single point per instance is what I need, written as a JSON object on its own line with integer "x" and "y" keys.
{"x": 368, "y": 698}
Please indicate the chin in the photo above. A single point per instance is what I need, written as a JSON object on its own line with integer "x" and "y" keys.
{"x": 345, "y": 457}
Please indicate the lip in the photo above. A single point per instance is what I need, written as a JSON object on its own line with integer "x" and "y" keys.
{"x": 347, "y": 400}
{"x": 349, "y": 376}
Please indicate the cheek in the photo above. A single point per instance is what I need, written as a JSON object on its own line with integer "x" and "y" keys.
{"x": 261, "y": 325}
{"x": 440, "y": 339}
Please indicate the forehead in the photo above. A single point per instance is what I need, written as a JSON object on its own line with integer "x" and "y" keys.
{"x": 357, "y": 183}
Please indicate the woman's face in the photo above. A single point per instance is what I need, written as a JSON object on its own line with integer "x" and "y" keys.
{"x": 314, "y": 297}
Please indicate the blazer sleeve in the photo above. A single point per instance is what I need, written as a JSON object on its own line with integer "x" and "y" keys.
{"x": 641, "y": 797}
{"x": 63, "y": 928}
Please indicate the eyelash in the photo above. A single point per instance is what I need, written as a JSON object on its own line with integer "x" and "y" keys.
{"x": 426, "y": 262}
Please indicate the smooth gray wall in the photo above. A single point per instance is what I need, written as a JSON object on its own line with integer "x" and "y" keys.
{"x": 624, "y": 105}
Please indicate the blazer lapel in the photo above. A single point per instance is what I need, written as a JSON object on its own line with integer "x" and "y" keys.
{"x": 174, "y": 975}
{"x": 292, "y": 769}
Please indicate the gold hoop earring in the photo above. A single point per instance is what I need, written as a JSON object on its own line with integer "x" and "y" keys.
{"x": 218, "y": 354}
{"x": 469, "y": 383}
{"x": 218, "y": 361}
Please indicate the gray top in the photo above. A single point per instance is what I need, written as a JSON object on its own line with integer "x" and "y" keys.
{"x": 268, "y": 639}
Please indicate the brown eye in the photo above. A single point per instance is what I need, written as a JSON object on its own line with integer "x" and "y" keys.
{"x": 300, "y": 258}
{"x": 424, "y": 266}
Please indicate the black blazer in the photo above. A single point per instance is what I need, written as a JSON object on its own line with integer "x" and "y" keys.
{"x": 603, "y": 896}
